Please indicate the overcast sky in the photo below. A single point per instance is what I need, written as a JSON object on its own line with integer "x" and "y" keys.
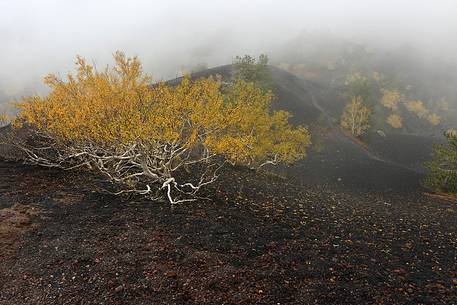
{"x": 42, "y": 36}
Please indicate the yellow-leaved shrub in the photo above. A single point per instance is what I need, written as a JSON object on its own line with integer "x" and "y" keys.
{"x": 395, "y": 121}
{"x": 390, "y": 99}
{"x": 434, "y": 119}
{"x": 139, "y": 134}
{"x": 418, "y": 108}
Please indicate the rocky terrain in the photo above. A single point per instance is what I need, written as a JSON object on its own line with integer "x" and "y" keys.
{"x": 350, "y": 224}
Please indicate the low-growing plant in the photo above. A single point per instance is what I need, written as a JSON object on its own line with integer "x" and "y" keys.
{"x": 442, "y": 175}
{"x": 155, "y": 140}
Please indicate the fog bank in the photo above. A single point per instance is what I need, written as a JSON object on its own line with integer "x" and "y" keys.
{"x": 39, "y": 37}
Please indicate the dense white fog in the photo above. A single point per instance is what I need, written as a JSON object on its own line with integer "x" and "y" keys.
{"x": 39, "y": 37}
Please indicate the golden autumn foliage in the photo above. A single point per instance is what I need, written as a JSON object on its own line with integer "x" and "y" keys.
{"x": 118, "y": 111}
{"x": 418, "y": 108}
{"x": 434, "y": 119}
{"x": 390, "y": 99}
{"x": 356, "y": 117}
{"x": 119, "y": 105}
{"x": 250, "y": 133}
{"x": 395, "y": 121}
{"x": 105, "y": 107}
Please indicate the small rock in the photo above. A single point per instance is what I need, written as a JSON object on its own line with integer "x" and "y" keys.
{"x": 171, "y": 274}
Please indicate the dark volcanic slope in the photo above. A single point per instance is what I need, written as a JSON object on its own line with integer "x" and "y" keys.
{"x": 345, "y": 165}
{"x": 408, "y": 150}
{"x": 259, "y": 241}
{"x": 389, "y": 163}
{"x": 294, "y": 97}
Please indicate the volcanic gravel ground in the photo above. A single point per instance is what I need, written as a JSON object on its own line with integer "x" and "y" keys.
{"x": 260, "y": 240}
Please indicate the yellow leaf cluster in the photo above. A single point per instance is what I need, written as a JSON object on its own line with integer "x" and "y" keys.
{"x": 390, "y": 99}
{"x": 250, "y": 133}
{"x": 418, "y": 108}
{"x": 434, "y": 119}
{"x": 119, "y": 106}
{"x": 103, "y": 107}
{"x": 395, "y": 121}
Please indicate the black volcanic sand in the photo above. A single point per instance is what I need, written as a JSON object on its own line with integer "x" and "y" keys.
{"x": 350, "y": 166}
{"x": 259, "y": 240}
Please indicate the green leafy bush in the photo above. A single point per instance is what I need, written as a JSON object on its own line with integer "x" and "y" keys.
{"x": 250, "y": 70}
{"x": 442, "y": 174}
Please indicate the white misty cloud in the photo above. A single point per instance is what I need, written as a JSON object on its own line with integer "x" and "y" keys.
{"x": 44, "y": 36}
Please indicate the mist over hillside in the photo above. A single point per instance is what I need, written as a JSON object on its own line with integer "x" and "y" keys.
{"x": 350, "y": 69}
{"x": 43, "y": 37}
